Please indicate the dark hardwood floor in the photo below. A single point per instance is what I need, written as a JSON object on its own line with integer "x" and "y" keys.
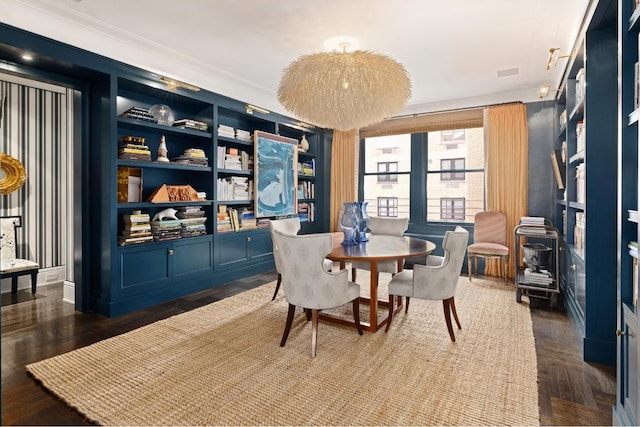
{"x": 571, "y": 392}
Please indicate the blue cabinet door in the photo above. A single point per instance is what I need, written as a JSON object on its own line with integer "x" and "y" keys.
{"x": 144, "y": 265}
{"x": 193, "y": 256}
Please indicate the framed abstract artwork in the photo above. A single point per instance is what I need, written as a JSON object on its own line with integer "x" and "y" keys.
{"x": 275, "y": 174}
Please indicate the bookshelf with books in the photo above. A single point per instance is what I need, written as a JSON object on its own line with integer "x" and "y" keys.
{"x": 627, "y": 408}
{"x": 587, "y": 111}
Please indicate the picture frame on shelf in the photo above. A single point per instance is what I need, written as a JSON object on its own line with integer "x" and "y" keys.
{"x": 275, "y": 175}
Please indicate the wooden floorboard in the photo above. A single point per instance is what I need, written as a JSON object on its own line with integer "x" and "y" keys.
{"x": 570, "y": 392}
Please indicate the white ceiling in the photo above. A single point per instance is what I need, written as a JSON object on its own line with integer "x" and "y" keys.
{"x": 453, "y": 49}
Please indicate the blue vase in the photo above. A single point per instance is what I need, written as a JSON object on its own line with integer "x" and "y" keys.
{"x": 363, "y": 222}
{"x": 349, "y": 223}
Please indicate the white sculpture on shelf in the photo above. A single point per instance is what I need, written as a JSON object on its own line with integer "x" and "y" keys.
{"x": 168, "y": 213}
{"x": 162, "y": 151}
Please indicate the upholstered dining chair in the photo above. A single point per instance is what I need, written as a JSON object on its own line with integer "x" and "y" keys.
{"x": 489, "y": 240}
{"x": 308, "y": 284}
{"x": 289, "y": 226}
{"x": 437, "y": 280}
{"x": 12, "y": 266}
{"x": 384, "y": 226}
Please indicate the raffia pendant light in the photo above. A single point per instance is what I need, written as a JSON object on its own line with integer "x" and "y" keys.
{"x": 344, "y": 90}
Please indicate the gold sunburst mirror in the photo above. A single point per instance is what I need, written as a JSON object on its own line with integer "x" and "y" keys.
{"x": 12, "y": 174}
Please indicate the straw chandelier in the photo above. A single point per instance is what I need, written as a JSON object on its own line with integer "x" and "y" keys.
{"x": 344, "y": 90}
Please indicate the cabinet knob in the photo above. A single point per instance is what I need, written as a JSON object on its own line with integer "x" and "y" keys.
{"x": 561, "y": 248}
{"x": 573, "y": 266}
{"x": 248, "y": 239}
{"x": 620, "y": 333}
{"x": 170, "y": 251}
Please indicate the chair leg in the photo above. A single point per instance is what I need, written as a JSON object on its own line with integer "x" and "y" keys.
{"x": 277, "y": 286}
{"x": 34, "y": 281}
{"x": 455, "y": 314}
{"x": 506, "y": 267}
{"x": 356, "y": 315}
{"x": 14, "y": 285}
{"x": 406, "y": 306}
{"x": 391, "y": 310}
{"x": 476, "y": 262}
{"x": 446, "y": 305}
{"x": 469, "y": 265}
{"x": 353, "y": 274}
{"x": 314, "y": 331}
{"x": 307, "y": 312}
{"x": 287, "y": 328}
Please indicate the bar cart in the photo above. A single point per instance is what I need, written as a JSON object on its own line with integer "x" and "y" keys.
{"x": 539, "y": 276}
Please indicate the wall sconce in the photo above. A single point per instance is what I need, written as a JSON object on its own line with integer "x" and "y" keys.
{"x": 545, "y": 90}
{"x": 554, "y": 56}
{"x": 174, "y": 84}
{"x": 251, "y": 108}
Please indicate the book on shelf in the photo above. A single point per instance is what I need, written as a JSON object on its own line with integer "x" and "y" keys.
{"x": 633, "y": 249}
{"x": 124, "y": 241}
{"x": 633, "y": 215}
{"x": 129, "y": 184}
{"x": 559, "y": 168}
{"x": 190, "y": 124}
{"x": 136, "y": 217}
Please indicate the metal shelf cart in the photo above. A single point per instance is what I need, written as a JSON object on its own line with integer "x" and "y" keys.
{"x": 525, "y": 285}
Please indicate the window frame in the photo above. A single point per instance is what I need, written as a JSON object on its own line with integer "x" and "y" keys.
{"x": 387, "y": 207}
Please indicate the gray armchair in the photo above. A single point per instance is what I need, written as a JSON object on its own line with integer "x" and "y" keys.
{"x": 438, "y": 280}
{"x": 308, "y": 284}
{"x": 289, "y": 226}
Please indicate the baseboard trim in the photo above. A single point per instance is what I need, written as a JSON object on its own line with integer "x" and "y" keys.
{"x": 69, "y": 292}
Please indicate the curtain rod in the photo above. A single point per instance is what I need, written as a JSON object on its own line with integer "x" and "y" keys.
{"x": 453, "y": 110}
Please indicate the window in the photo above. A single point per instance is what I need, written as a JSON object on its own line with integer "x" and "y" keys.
{"x": 452, "y": 137}
{"x": 385, "y": 168}
{"x": 452, "y": 209}
{"x": 388, "y": 206}
{"x": 452, "y": 165}
{"x": 385, "y": 177}
{"x": 432, "y": 178}
{"x": 455, "y": 176}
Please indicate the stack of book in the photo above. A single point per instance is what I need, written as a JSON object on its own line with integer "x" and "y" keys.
{"x": 532, "y": 225}
{"x": 247, "y": 219}
{"x": 138, "y": 113}
{"x": 192, "y": 156}
{"x": 190, "y": 124}
{"x": 226, "y": 131}
{"x": 306, "y": 212}
{"x": 232, "y": 159}
{"x": 136, "y": 229}
{"x": 166, "y": 229}
{"x": 192, "y": 227}
{"x": 538, "y": 277}
{"x": 224, "y": 220}
{"x": 185, "y": 212}
{"x": 306, "y": 190}
{"x": 134, "y": 148}
{"x": 243, "y": 135}
{"x": 307, "y": 168}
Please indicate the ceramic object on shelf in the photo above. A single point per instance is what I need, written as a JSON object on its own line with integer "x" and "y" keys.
{"x": 162, "y": 151}
{"x": 304, "y": 144}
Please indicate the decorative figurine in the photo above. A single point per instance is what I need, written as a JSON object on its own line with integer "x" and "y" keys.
{"x": 304, "y": 144}
{"x": 168, "y": 213}
{"x": 162, "y": 151}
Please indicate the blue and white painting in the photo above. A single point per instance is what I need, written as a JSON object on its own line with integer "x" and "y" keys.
{"x": 275, "y": 175}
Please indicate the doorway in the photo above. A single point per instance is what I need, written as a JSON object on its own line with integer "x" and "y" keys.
{"x": 38, "y": 128}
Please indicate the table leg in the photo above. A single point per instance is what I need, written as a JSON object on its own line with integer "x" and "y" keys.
{"x": 373, "y": 303}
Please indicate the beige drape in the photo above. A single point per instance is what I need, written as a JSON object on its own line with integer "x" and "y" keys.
{"x": 507, "y": 141}
{"x": 344, "y": 172}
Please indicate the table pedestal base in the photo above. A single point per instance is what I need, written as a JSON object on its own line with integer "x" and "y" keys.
{"x": 367, "y": 326}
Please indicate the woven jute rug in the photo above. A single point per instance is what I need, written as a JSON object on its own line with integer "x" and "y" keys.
{"x": 222, "y": 364}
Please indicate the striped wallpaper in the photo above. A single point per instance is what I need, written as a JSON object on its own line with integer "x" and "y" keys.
{"x": 35, "y": 129}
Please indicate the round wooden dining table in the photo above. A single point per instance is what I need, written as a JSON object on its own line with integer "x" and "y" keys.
{"x": 378, "y": 248}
